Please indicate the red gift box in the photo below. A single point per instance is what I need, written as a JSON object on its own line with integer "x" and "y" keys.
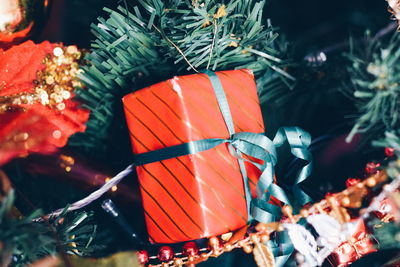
{"x": 197, "y": 195}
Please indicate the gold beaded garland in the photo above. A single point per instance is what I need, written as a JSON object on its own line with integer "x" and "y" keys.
{"x": 178, "y": 262}
{"x": 248, "y": 249}
{"x": 225, "y": 237}
{"x": 253, "y": 242}
{"x": 346, "y": 201}
{"x": 255, "y": 238}
{"x": 371, "y": 182}
{"x": 204, "y": 256}
{"x": 213, "y": 241}
{"x": 228, "y": 247}
{"x": 264, "y": 238}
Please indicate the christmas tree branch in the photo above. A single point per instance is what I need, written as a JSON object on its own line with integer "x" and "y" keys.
{"x": 374, "y": 87}
{"x": 196, "y": 35}
{"x": 25, "y": 241}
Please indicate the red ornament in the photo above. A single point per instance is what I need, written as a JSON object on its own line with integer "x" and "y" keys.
{"x": 389, "y": 152}
{"x": 190, "y": 249}
{"x": 371, "y": 168}
{"x": 358, "y": 246}
{"x": 352, "y": 181}
{"x": 143, "y": 256}
{"x": 165, "y": 254}
{"x": 20, "y": 19}
{"x": 385, "y": 211}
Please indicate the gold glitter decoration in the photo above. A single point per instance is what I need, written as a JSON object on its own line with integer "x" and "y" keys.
{"x": 57, "y": 134}
{"x": 54, "y": 83}
{"x": 60, "y": 106}
{"x": 58, "y": 52}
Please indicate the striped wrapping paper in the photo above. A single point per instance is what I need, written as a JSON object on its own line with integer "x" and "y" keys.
{"x": 199, "y": 195}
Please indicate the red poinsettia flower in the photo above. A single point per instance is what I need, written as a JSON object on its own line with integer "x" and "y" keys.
{"x": 37, "y": 109}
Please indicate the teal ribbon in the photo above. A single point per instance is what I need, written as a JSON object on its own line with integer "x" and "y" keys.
{"x": 257, "y": 146}
{"x": 299, "y": 141}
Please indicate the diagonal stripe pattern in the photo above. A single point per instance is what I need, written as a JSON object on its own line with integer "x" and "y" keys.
{"x": 200, "y": 195}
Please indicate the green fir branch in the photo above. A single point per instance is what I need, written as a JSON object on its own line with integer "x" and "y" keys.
{"x": 391, "y": 139}
{"x": 140, "y": 45}
{"x": 387, "y": 235}
{"x": 24, "y": 240}
{"x": 375, "y": 80}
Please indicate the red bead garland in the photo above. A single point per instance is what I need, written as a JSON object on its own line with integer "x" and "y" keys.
{"x": 143, "y": 257}
{"x": 165, "y": 254}
{"x": 389, "y": 152}
{"x": 352, "y": 181}
{"x": 371, "y": 168}
{"x": 190, "y": 249}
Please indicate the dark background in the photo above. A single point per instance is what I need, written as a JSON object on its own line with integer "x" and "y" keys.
{"x": 310, "y": 24}
{"x": 316, "y": 104}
